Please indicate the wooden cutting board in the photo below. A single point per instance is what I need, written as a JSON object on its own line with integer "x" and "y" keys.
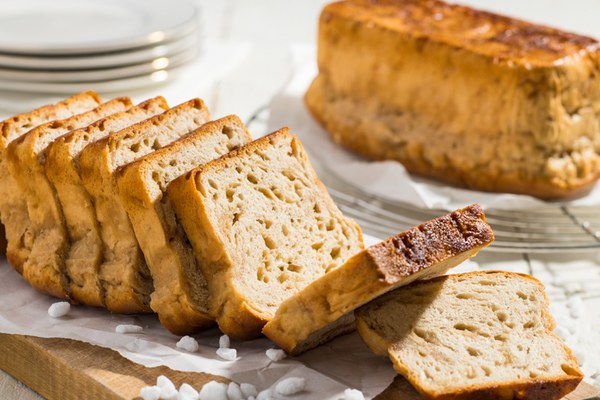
{"x": 65, "y": 369}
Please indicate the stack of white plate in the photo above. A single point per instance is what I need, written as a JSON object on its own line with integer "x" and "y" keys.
{"x": 64, "y": 46}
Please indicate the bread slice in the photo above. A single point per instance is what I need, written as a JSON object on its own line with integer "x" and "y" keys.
{"x": 123, "y": 273}
{"x": 480, "y": 335}
{"x": 324, "y": 309}
{"x": 181, "y": 295}
{"x": 13, "y": 208}
{"x": 44, "y": 268}
{"x": 263, "y": 227}
{"x": 62, "y": 169}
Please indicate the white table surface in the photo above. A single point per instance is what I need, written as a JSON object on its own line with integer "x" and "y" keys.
{"x": 270, "y": 27}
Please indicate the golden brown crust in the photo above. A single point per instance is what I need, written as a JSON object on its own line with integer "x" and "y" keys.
{"x": 480, "y": 32}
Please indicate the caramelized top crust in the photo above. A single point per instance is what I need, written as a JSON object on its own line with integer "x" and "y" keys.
{"x": 490, "y": 35}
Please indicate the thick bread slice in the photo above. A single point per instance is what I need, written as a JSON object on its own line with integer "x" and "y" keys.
{"x": 123, "y": 274}
{"x": 263, "y": 227}
{"x": 62, "y": 169}
{"x": 324, "y": 309}
{"x": 480, "y": 335}
{"x": 13, "y": 208}
{"x": 44, "y": 268}
{"x": 181, "y": 295}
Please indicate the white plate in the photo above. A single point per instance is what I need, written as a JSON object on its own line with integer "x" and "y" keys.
{"x": 94, "y": 75}
{"x": 104, "y": 60}
{"x": 61, "y": 27}
{"x": 135, "y": 82}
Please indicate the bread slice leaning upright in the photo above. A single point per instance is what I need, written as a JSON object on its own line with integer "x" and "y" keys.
{"x": 180, "y": 296}
{"x": 44, "y": 268}
{"x": 62, "y": 169}
{"x": 325, "y": 308}
{"x": 478, "y": 335}
{"x": 262, "y": 227}
{"x": 13, "y": 208}
{"x": 123, "y": 273}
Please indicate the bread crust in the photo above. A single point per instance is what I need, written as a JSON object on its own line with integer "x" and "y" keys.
{"x": 13, "y": 208}
{"x": 142, "y": 186}
{"x": 525, "y": 389}
{"x": 397, "y": 83}
{"x": 62, "y": 169}
{"x": 430, "y": 249}
{"x": 124, "y": 275}
{"x": 44, "y": 268}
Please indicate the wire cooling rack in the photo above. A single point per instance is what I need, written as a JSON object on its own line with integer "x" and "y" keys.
{"x": 550, "y": 228}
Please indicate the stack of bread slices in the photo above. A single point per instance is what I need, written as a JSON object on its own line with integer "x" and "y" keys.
{"x": 147, "y": 208}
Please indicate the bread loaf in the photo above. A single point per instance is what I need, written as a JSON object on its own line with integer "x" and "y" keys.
{"x": 13, "y": 208}
{"x": 325, "y": 308}
{"x": 123, "y": 273}
{"x": 180, "y": 296}
{"x": 263, "y": 227}
{"x": 464, "y": 96}
{"x": 480, "y": 335}
{"x": 62, "y": 168}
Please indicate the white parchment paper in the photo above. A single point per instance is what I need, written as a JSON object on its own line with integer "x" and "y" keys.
{"x": 387, "y": 179}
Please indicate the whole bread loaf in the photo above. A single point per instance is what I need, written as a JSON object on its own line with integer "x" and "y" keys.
{"x": 180, "y": 296}
{"x": 325, "y": 308}
{"x": 479, "y": 335}
{"x": 123, "y": 273}
{"x": 62, "y": 169}
{"x": 262, "y": 226}
{"x": 44, "y": 268}
{"x": 13, "y": 207}
{"x": 464, "y": 96}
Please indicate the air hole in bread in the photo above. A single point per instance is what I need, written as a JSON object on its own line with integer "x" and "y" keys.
{"x": 251, "y": 178}
{"x": 285, "y": 230}
{"x": 501, "y": 316}
{"x": 230, "y": 193}
{"x": 155, "y": 177}
{"x": 317, "y": 208}
{"x": 269, "y": 242}
{"x": 267, "y": 193}
{"x": 263, "y": 155}
{"x": 289, "y": 175}
{"x": 135, "y": 147}
{"x": 528, "y": 325}
{"x": 173, "y": 163}
{"x": 486, "y": 370}
{"x": 330, "y": 267}
{"x": 268, "y": 223}
{"x": 317, "y": 246}
{"x": 238, "y": 169}
{"x": 533, "y": 374}
{"x": 294, "y": 268}
{"x": 236, "y": 217}
{"x": 299, "y": 189}
{"x": 473, "y": 352}
{"x": 500, "y": 338}
{"x": 426, "y": 335}
{"x": 145, "y": 142}
{"x": 465, "y": 296}
{"x": 335, "y": 252}
{"x": 283, "y": 277}
{"x": 522, "y": 295}
{"x": 277, "y": 193}
{"x": 227, "y": 131}
{"x": 461, "y": 326}
{"x": 487, "y": 282}
{"x": 569, "y": 370}
{"x": 156, "y": 145}
{"x": 213, "y": 184}
{"x": 330, "y": 225}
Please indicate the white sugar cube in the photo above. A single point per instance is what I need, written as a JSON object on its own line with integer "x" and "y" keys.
{"x": 188, "y": 343}
{"x": 186, "y": 391}
{"x": 353, "y": 394}
{"x": 150, "y": 393}
{"x": 128, "y": 329}
{"x": 227, "y": 354}
{"x": 276, "y": 354}
{"x": 224, "y": 342}
{"x": 234, "y": 392}
{"x": 265, "y": 395}
{"x": 167, "y": 388}
{"x": 59, "y": 309}
{"x": 248, "y": 390}
{"x": 290, "y": 386}
{"x": 213, "y": 391}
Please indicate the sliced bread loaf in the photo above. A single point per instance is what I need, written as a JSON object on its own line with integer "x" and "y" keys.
{"x": 480, "y": 335}
{"x": 263, "y": 227}
{"x": 44, "y": 268}
{"x": 62, "y": 168}
{"x": 123, "y": 273}
{"x": 181, "y": 295}
{"x": 13, "y": 208}
{"x": 324, "y": 309}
